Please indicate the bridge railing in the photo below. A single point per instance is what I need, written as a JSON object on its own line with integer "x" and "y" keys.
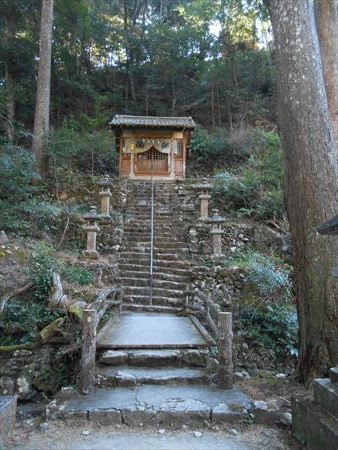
{"x": 220, "y": 325}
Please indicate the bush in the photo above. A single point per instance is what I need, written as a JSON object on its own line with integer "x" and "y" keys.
{"x": 79, "y": 275}
{"x": 256, "y": 190}
{"x": 19, "y": 177}
{"x": 270, "y": 276}
{"x": 41, "y": 269}
{"x": 23, "y": 319}
{"x": 73, "y": 148}
{"x": 273, "y": 326}
{"x": 266, "y": 315}
{"x": 205, "y": 145}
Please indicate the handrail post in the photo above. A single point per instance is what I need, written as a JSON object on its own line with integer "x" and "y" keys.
{"x": 225, "y": 371}
{"x": 88, "y": 352}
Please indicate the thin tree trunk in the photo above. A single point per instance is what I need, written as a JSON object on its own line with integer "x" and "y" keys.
{"x": 41, "y": 119}
{"x": 310, "y": 180}
{"x": 10, "y": 109}
{"x": 327, "y": 25}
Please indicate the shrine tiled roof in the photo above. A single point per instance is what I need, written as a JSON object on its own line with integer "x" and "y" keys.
{"x": 152, "y": 122}
{"x": 329, "y": 227}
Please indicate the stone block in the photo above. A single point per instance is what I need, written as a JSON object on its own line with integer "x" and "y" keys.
{"x": 313, "y": 426}
{"x": 105, "y": 416}
{"x": 153, "y": 358}
{"x": 326, "y": 395}
{"x": 7, "y": 419}
{"x": 263, "y": 414}
{"x": 222, "y": 413}
{"x": 135, "y": 415}
{"x": 113, "y": 357}
{"x": 183, "y": 411}
{"x": 334, "y": 375}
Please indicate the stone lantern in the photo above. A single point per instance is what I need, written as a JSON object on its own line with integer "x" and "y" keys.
{"x": 105, "y": 194}
{"x": 216, "y": 231}
{"x": 204, "y": 196}
{"x": 92, "y": 229}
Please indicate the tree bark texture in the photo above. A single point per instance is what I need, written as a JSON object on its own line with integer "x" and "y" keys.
{"x": 88, "y": 353}
{"x": 326, "y": 12}
{"x": 41, "y": 119}
{"x": 310, "y": 180}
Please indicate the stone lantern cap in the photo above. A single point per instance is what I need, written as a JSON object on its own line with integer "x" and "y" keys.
{"x": 92, "y": 215}
{"x": 105, "y": 181}
{"x": 203, "y": 186}
{"x": 330, "y": 227}
{"x": 215, "y": 219}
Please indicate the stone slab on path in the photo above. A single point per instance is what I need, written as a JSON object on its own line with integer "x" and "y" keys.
{"x": 114, "y": 376}
{"x": 149, "y": 404}
{"x": 150, "y": 331}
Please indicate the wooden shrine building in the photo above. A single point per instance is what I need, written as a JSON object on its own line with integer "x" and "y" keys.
{"x": 152, "y": 146}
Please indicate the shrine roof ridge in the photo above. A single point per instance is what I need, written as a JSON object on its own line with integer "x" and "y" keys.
{"x": 152, "y": 121}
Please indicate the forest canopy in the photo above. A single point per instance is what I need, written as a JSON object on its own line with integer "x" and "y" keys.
{"x": 202, "y": 58}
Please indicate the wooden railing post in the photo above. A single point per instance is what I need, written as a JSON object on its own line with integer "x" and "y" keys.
{"x": 225, "y": 370}
{"x": 87, "y": 370}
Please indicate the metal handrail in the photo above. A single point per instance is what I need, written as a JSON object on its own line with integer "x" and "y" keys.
{"x": 151, "y": 237}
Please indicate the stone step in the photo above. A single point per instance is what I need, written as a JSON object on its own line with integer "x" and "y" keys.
{"x": 334, "y": 375}
{"x": 195, "y": 405}
{"x": 151, "y": 309}
{"x": 177, "y": 267}
{"x": 326, "y": 394}
{"x": 313, "y": 425}
{"x": 144, "y": 299}
{"x": 162, "y": 247}
{"x": 158, "y": 264}
{"x": 129, "y": 291}
{"x": 168, "y": 249}
{"x": 156, "y": 358}
{"x": 132, "y": 376}
{"x": 158, "y": 276}
{"x": 157, "y": 283}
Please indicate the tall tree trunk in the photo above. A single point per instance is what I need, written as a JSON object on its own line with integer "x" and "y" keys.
{"x": 310, "y": 180}
{"x": 9, "y": 125}
{"x": 41, "y": 119}
{"x": 327, "y": 25}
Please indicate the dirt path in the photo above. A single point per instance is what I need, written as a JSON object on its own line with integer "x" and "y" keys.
{"x": 58, "y": 435}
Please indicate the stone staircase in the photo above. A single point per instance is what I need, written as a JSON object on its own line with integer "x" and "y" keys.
{"x": 315, "y": 422}
{"x": 171, "y": 265}
{"x": 153, "y": 365}
{"x": 177, "y": 351}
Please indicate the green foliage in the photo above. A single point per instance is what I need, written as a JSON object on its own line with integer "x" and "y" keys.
{"x": 41, "y": 269}
{"x": 266, "y": 315}
{"x": 18, "y": 178}
{"x": 273, "y": 326}
{"x": 270, "y": 276}
{"x": 256, "y": 190}
{"x": 23, "y": 319}
{"x": 79, "y": 275}
{"x": 206, "y": 145}
{"x": 74, "y": 148}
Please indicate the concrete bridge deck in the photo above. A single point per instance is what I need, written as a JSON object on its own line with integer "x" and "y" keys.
{"x": 152, "y": 330}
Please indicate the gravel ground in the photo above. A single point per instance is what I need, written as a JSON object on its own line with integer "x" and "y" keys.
{"x": 59, "y": 435}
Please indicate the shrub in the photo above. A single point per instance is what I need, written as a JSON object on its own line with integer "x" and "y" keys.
{"x": 41, "y": 269}
{"x": 23, "y": 319}
{"x": 273, "y": 326}
{"x": 79, "y": 275}
{"x": 270, "y": 276}
{"x": 19, "y": 178}
{"x": 256, "y": 190}
{"x": 73, "y": 148}
{"x": 266, "y": 316}
{"x": 206, "y": 145}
